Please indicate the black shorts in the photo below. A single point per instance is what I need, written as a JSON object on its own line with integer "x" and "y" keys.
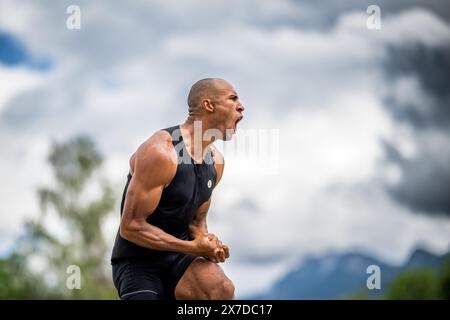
{"x": 150, "y": 278}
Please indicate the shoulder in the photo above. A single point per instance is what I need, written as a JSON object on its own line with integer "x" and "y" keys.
{"x": 159, "y": 143}
{"x": 156, "y": 157}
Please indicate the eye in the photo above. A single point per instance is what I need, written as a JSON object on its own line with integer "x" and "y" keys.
{"x": 234, "y": 98}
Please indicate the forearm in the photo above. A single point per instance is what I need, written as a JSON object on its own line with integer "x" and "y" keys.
{"x": 198, "y": 229}
{"x": 198, "y": 226}
{"x": 152, "y": 237}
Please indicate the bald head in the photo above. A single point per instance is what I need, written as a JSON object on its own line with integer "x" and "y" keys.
{"x": 204, "y": 89}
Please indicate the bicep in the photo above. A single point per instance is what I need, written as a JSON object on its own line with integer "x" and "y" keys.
{"x": 140, "y": 201}
{"x": 152, "y": 171}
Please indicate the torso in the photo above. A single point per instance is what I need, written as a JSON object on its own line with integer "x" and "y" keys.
{"x": 190, "y": 187}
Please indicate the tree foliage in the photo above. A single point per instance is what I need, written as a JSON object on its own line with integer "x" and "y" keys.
{"x": 37, "y": 267}
{"x": 422, "y": 284}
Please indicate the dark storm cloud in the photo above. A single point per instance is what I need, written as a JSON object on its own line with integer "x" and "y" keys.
{"x": 323, "y": 14}
{"x": 431, "y": 67}
{"x": 425, "y": 182}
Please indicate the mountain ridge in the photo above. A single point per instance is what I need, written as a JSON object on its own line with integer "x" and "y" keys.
{"x": 339, "y": 275}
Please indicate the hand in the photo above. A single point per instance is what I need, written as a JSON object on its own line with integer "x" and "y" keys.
{"x": 206, "y": 245}
{"x": 205, "y": 240}
{"x": 222, "y": 252}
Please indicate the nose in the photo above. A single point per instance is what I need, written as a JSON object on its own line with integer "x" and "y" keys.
{"x": 240, "y": 107}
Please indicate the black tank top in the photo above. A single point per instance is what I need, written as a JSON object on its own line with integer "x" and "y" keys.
{"x": 191, "y": 186}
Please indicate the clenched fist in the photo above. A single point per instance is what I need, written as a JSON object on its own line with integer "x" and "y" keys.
{"x": 209, "y": 246}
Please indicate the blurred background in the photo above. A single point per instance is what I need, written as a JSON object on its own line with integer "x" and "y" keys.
{"x": 358, "y": 121}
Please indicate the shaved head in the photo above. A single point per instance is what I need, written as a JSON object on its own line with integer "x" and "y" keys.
{"x": 215, "y": 103}
{"x": 204, "y": 89}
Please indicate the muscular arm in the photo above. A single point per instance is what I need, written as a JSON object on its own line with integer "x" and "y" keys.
{"x": 154, "y": 167}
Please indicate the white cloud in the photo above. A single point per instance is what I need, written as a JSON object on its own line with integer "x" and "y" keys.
{"x": 416, "y": 25}
{"x": 126, "y": 73}
{"x": 23, "y": 169}
{"x": 14, "y": 81}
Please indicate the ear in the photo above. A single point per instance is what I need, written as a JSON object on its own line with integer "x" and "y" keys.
{"x": 207, "y": 105}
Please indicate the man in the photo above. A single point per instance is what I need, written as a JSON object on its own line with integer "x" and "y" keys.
{"x": 163, "y": 249}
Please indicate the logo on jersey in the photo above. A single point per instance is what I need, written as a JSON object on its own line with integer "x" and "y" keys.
{"x": 209, "y": 183}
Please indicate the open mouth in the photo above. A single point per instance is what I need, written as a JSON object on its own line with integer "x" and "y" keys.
{"x": 236, "y": 122}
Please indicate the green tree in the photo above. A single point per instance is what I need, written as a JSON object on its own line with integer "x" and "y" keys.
{"x": 79, "y": 239}
{"x": 444, "y": 280}
{"x": 16, "y": 282}
{"x": 420, "y": 284}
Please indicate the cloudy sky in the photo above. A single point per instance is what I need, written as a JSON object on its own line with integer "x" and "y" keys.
{"x": 355, "y": 121}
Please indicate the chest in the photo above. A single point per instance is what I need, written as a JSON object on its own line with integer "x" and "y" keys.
{"x": 191, "y": 186}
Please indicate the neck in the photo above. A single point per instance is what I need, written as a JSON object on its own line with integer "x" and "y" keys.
{"x": 192, "y": 131}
